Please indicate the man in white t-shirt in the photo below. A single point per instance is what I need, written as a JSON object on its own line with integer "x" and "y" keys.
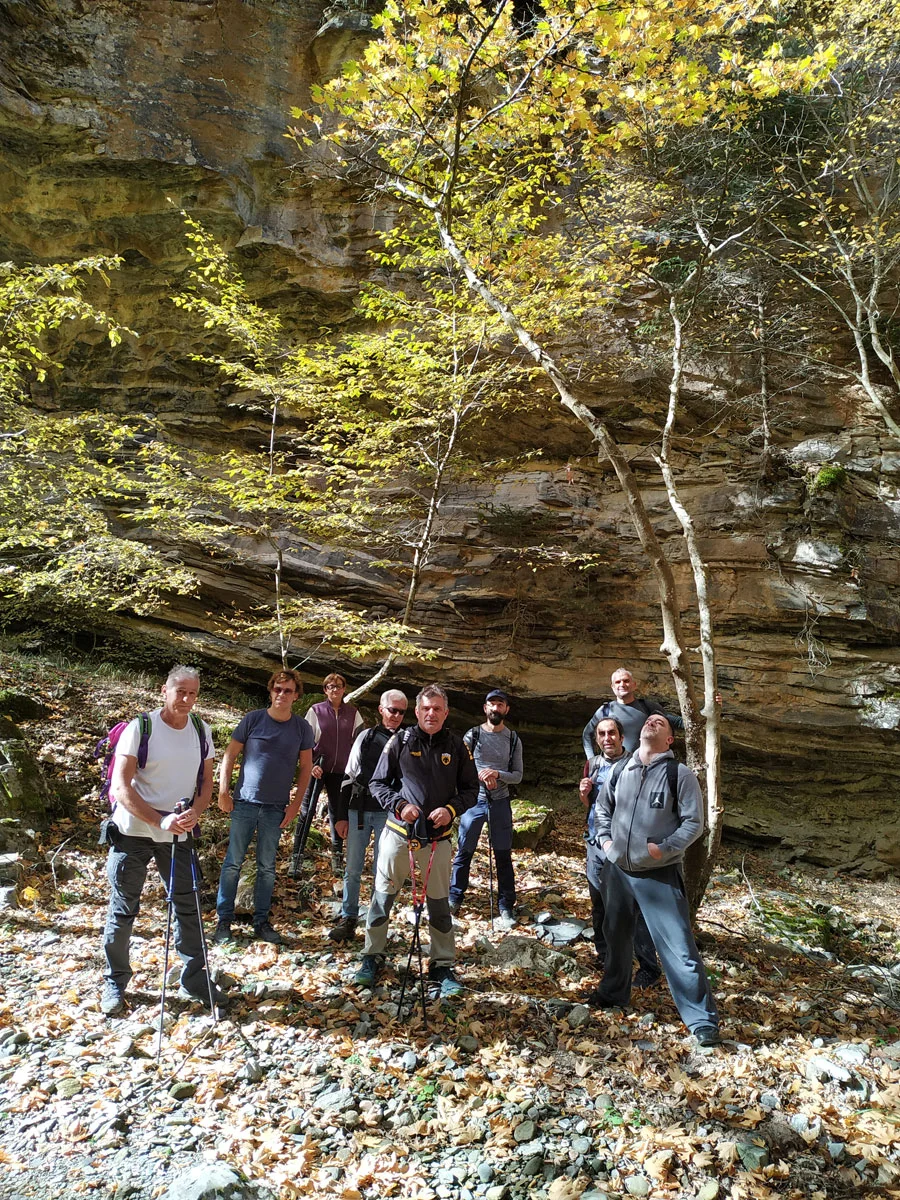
{"x": 144, "y": 826}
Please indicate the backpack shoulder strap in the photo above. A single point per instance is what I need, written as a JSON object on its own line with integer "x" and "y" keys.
{"x": 513, "y": 742}
{"x": 204, "y": 748}
{"x": 145, "y": 728}
{"x": 471, "y": 736}
{"x": 614, "y": 774}
{"x": 672, "y": 765}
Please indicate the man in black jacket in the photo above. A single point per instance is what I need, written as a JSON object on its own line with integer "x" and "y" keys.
{"x": 359, "y": 817}
{"x": 425, "y": 779}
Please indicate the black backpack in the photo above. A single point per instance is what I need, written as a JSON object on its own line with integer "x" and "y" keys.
{"x": 672, "y": 765}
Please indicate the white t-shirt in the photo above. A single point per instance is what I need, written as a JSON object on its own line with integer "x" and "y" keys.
{"x": 173, "y": 760}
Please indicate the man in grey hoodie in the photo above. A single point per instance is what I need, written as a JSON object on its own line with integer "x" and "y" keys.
{"x": 644, "y": 831}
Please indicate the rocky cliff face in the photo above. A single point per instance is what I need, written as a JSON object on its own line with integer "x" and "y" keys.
{"x": 114, "y": 116}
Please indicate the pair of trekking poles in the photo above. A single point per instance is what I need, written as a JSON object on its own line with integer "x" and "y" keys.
{"x": 418, "y": 901}
{"x": 303, "y": 826}
{"x": 180, "y": 807}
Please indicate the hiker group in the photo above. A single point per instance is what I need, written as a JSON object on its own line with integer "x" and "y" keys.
{"x": 402, "y": 788}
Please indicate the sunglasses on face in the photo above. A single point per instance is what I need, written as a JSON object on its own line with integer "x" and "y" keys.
{"x": 395, "y": 712}
{"x": 286, "y": 690}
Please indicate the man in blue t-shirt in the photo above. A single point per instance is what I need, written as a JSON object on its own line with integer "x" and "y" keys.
{"x": 275, "y": 746}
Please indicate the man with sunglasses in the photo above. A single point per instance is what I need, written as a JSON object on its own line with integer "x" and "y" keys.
{"x": 359, "y": 817}
{"x": 275, "y": 746}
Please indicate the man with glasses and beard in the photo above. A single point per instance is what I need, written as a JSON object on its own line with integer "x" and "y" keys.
{"x": 274, "y": 745}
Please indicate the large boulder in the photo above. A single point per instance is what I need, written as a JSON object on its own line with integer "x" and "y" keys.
{"x": 531, "y": 824}
{"x": 23, "y": 788}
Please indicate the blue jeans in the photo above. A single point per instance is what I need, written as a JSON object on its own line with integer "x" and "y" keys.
{"x": 500, "y": 831}
{"x": 356, "y": 844}
{"x": 265, "y": 821}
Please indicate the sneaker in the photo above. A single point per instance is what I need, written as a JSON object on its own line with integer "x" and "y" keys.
{"x": 447, "y": 983}
{"x": 265, "y": 933}
{"x": 344, "y": 930}
{"x": 596, "y": 999}
{"x": 507, "y": 919}
{"x": 219, "y": 998}
{"x": 454, "y": 906}
{"x": 112, "y": 999}
{"x": 223, "y": 933}
{"x": 369, "y": 970}
{"x": 645, "y": 978}
{"x": 707, "y": 1035}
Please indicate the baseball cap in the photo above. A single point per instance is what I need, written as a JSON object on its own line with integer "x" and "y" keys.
{"x": 496, "y": 694}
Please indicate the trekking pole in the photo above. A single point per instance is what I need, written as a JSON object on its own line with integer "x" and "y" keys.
{"x": 303, "y": 826}
{"x": 490, "y": 863}
{"x": 195, "y": 884}
{"x": 170, "y": 904}
{"x": 416, "y": 943}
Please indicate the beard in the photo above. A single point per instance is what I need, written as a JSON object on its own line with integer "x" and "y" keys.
{"x": 495, "y": 718}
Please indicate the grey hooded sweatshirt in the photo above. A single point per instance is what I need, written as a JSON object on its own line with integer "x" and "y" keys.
{"x": 643, "y": 811}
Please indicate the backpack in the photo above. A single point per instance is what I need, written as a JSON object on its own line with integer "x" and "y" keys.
{"x": 107, "y": 748}
{"x": 672, "y": 765}
{"x": 513, "y": 742}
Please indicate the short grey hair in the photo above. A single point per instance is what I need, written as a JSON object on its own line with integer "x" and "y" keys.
{"x": 390, "y": 695}
{"x": 430, "y": 691}
{"x": 181, "y": 672}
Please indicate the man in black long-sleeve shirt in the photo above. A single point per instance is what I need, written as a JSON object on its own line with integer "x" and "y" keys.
{"x": 425, "y": 779}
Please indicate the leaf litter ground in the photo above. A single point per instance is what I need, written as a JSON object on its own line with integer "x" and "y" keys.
{"x": 310, "y": 1086}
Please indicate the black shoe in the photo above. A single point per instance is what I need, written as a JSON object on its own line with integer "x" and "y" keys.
{"x": 223, "y": 933}
{"x": 447, "y": 983}
{"x": 265, "y": 933}
{"x": 369, "y": 970}
{"x": 112, "y": 999}
{"x": 596, "y": 999}
{"x": 219, "y": 998}
{"x": 645, "y": 978}
{"x": 344, "y": 931}
{"x": 707, "y": 1035}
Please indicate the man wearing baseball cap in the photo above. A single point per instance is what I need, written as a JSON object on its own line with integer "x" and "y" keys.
{"x": 497, "y": 751}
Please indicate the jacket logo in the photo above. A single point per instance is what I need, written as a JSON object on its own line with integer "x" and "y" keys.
{"x": 445, "y": 759}
{"x": 416, "y": 753}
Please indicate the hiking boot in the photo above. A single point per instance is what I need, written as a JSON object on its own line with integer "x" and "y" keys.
{"x": 265, "y": 933}
{"x": 219, "y": 998}
{"x": 446, "y": 982}
{"x": 344, "y": 930}
{"x": 337, "y": 861}
{"x": 454, "y": 906}
{"x": 223, "y": 933}
{"x": 645, "y": 978}
{"x": 507, "y": 919}
{"x": 369, "y": 970}
{"x": 112, "y": 999}
{"x": 707, "y": 1035}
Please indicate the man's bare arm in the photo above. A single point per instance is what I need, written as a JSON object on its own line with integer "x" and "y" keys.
{"x": 226, "y": 770}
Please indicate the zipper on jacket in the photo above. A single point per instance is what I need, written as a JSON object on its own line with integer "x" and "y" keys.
{"x": 644, "y": 770}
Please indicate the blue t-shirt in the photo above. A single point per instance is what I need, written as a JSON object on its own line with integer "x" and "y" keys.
{"x": 269, "y": 761}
